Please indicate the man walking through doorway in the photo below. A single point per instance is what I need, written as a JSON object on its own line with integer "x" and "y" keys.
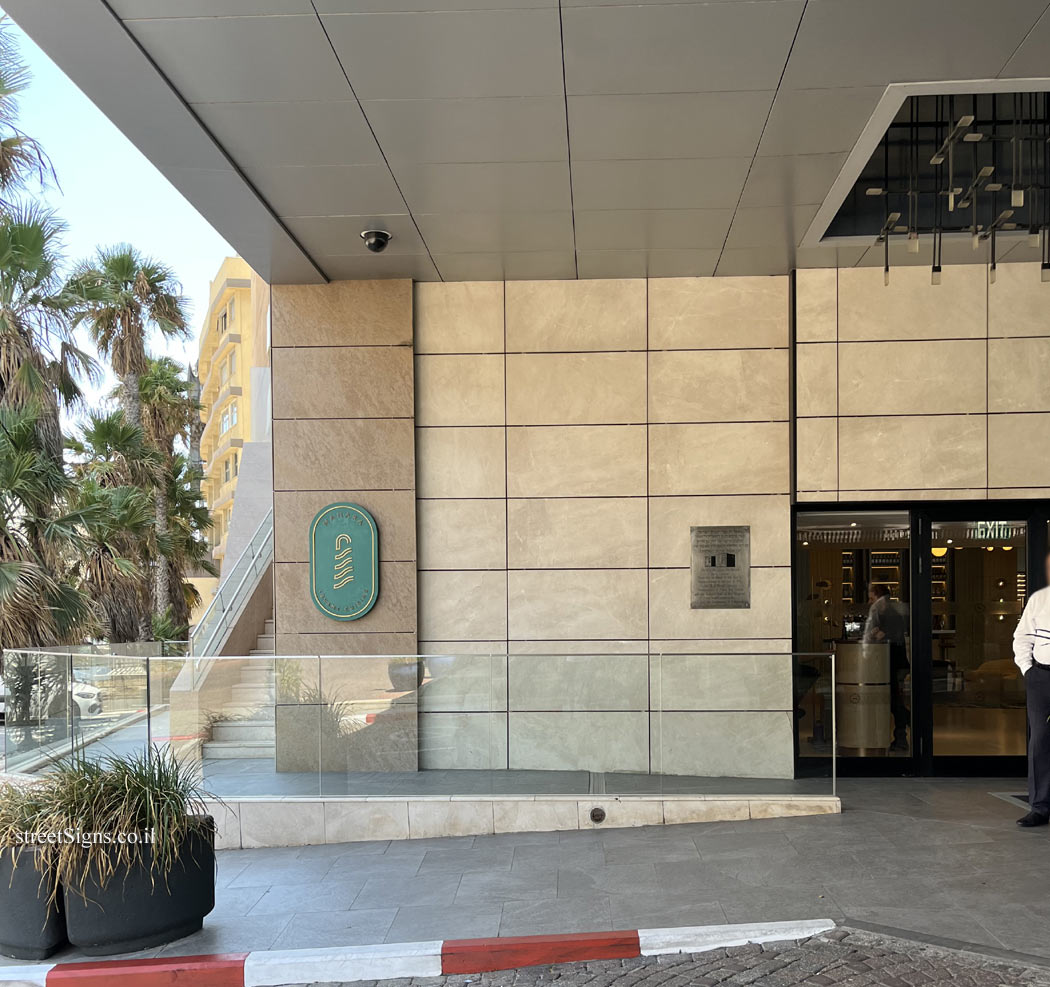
{"x": 1032, "y": 655}
{"x": 887, "y": 624}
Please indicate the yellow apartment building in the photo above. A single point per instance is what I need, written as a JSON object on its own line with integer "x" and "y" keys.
{"x": 233, "y": 355}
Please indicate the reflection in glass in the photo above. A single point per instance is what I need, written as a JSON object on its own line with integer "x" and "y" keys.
{"x": 978, "y": 587}
{"x": 853, "y": 597}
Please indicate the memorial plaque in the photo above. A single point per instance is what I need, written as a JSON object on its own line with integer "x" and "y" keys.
{"x": 721, "y": 568}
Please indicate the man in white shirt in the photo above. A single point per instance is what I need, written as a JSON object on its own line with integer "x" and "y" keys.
{"x": 1032, "y": 655}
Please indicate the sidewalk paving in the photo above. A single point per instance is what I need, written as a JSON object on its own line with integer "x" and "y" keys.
{"x": 939, "y": 858}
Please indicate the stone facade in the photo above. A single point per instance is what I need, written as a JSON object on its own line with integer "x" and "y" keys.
{"x": 568, "y": 434}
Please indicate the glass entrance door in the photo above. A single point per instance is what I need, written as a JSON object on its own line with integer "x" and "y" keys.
{"x": 977, "y": 577}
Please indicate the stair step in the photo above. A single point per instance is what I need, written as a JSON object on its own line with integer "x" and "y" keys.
{"x": 270, "y": 626}
{"x": 242, "y": 713}
{"x": 228, "y": 750}
{"x": 242, "y": 730}
{"x": 261, "y": 674}
{"x": 256, "y": 652}
{"x": 266, "y": 640}
{"x": 252, "y": 692}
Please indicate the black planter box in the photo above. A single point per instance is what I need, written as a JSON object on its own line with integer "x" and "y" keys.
{"x": 138, "y": 909}
{"x": 30, "y": 927}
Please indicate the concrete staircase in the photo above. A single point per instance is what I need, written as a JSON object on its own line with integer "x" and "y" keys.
{"x": 247, "y": 727}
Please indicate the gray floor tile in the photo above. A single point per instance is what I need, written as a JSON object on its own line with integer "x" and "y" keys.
{"x": 265, "y": 873}
{"x": 360, "y": 927}
{"x": 652, "y": 853}
{"x": 500, "y": 886}
{"x": 288, "y": 899}
{"x": 235, "y": 935}
{"x": 586, "y": 855}
{"x": 230, "y": 902}
{"x": 657, "y": 911}
{"x": 383, "y": 892}
{"x": 374, "y": 865}
{"x": 531, "y": 918}
{"x": 460, "y": 921}
{"x": 613, "y": 879}
{"x": 464, "y": 861}
{"x": 780, "y": 905}
{"x": 364, "y": 849}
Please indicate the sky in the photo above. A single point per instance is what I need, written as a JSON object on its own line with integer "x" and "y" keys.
{"x": 109, "y": 193}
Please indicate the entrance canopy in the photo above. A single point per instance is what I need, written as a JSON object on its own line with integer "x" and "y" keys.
{"x": 523, "y": 138}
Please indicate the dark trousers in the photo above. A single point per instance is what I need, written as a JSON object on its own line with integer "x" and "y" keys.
{"x": 1037, "y": 688}
{"x": 898, "y": 673}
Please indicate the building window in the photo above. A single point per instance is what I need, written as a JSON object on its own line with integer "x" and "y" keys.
{"x": 233, "y": 363}
{"x": 224, "y": 373}
{"x": 229, "y": 309}
{"x": 233, "y": 414}
{"x": 224, "y": 422}
{"x": 220, "y": 323}
{"x": 226, "y": 471}
{"x": 235, "y": 464}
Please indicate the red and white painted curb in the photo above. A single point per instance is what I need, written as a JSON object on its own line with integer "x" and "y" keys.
{"x": 269, "y": 968}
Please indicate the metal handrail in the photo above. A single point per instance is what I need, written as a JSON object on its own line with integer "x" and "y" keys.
{"x": 228, "y": 603}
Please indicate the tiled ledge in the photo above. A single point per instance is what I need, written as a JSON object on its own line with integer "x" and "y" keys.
{"x": 306, "y": 821}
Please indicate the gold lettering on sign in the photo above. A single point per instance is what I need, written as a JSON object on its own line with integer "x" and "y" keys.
{"x": 344, "y": 562}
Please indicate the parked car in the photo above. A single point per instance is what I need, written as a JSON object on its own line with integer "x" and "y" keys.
{"x": 84, "y": 701}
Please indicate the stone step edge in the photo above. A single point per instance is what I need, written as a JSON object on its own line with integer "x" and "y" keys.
{"x": 386, "y": 961}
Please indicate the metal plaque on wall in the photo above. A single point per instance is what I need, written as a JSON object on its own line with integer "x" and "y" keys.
{"x": 721, "y": 567}
{"x": 344, "y": 561}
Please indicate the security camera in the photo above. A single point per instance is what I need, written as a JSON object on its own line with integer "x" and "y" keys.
{"x": 376, "y": 240}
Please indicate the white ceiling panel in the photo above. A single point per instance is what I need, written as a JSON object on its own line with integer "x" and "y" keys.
{"x": 495, "y": 187}
{"x": 421, "y": 6}
{"x": 675, "y": 48}
{"x": 133, "y": 9}
{"x": 450, "y": 53}
{"x": 521, "y": 138}
{"x": 506, "y": 232}
{"x": 419, "y": 267}
{"x": 329, "y": 132}
{"x": 1032, "y": 56}
{"x": 331, "y": 190}
{"x": 769, "y": 226}
{"x": 874, "y": 42}
{"x": 533, "y": 266}
{"x": 707, "y": 183}
{"x": 341, "y": 235}
{"x": 217, "y": 59}
{"x": 817, "y": 121}
{"x": 667, "y": 125}
{"x": 646, "y": 263}
{"x": 796, "y": 180}
{"x": 753, "y": 260}
{"x": 459, "y": 130}
{"x": 667, "y": 229}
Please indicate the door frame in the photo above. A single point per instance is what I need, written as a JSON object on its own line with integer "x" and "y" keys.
{"x": 922, "y": 515}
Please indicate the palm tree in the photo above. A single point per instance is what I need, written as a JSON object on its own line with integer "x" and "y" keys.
{"x": 110, "y": 454}
{"x": 122, "y": 297}
{"x": 187, "y": 549}
{"x": 39, "y": 364}
{"x": 39, "y": 605}
{"x": 21, "y": 157}
{"x": 119, "y": 521}
{"x": 168, "y": 411}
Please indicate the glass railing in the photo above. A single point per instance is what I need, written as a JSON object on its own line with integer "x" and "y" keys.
{"x": 233, "y": 592}
{"x": 441, "y": 725}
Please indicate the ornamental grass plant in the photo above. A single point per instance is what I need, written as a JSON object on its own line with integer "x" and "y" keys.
{"x": 124, "y": 798}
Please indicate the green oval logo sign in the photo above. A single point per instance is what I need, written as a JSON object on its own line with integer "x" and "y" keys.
{"x": 344, "y": 561}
